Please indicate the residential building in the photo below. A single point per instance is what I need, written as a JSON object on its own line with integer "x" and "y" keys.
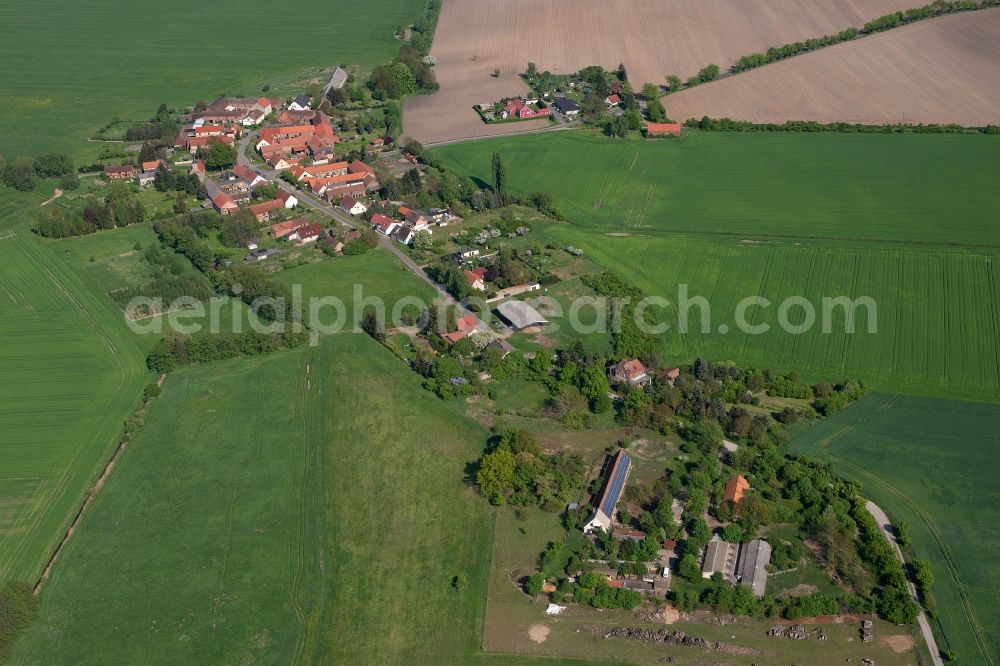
{"x": 464, "y": 326}
{"x": 263, "y": 211}
{"x": 259, "y": 255}
{"x": 284, "y": 229}
{"x": 121, "y": 172}
{"x": 224, "y": 204}
{"x": 352, "y": 206}
{"x": 301, "y": 103}
{"x": 477, "y": 278}
{"x": 736, "y": 487}
{"x": 566, "y": 106}
{"x": 308, "y": 233}
{"x": 287, "y": 198}
{"x": 383, "y": 224}
{"x": 630, "y": 371}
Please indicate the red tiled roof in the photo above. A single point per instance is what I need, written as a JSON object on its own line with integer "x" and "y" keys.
{"x": 663, "y": 128}
{"x": 735, "y": 488}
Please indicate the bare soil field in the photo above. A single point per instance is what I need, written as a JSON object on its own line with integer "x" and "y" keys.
{"x": 652, "y": 38}
{"x": 943, "y": 70}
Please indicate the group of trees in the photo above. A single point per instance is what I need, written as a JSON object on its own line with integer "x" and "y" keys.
{"x": 118, "y": 208}
{"x": 515, "y": 471}
{"x": 162, "y": 127}
{"x": 730, "y": 125}
{"x": 22, "y": 173}
{"x": 205, "y": 346}
{"x": 172, "y": 278}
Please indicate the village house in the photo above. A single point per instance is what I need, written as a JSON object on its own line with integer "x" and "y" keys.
{"x": 263, "y": 211}
{"x": 249, "y": 177}
{"x": 663, "y": 129}
{"x": 198, "y": 169}
{"x": 146, "y": 178}
{"x": 613, "y": 100}
{"x": 122, "y": 172}
{"x": 606, "y": 502}
{"x": 224, "y": 204}
{"x": 417, "y": 218}
{"x": 300, "y": 103}
{"x": 669, "y": 374}
{"x": 567, "y": 107}
{"x": 630, "y": 371}
{"x": 352, "y": 206}
{"x": 284, "y": 229}
{"x": 246, "y": 111}
{"x": 464, "y": 326}
{"x": 383, "y": 224}
{"x": 308, "y": 233}
{"x": 404, "y": 234}
{"x": 287, "y": 199}
{"x": 736, "y": 487}
{"x": 464, "y": 254}
{"x": 522, "y": 109}
{"x": 477, "y": 278}
{"x": 152, "y": 165}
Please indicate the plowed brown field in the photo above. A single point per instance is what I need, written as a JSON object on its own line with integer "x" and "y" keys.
{"x": 943, "y": 70}
{"x": 652, "y": 37}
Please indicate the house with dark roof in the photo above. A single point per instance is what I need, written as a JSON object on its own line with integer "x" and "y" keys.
{"x": 300, "y": 103}
{"x": 566, "y": 106}
{"x": 611, "y": 492}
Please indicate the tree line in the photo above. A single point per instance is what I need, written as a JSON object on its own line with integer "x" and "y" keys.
{"x": 730, "y": 125}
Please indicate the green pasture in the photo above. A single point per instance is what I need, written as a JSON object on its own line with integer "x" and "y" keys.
{"x": 933, "y": 464}
{"x": 71, "y": 67}
{"x": 352, "y": 280}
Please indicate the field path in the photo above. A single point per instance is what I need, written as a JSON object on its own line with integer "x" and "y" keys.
{"x": 883, "y": 521}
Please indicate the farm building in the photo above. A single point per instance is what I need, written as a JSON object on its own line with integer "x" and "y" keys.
{"x": 611, "y": 492}
{"x": 516, "y": 290}
{"x": 735, "y": 488}
{"x": 300, "y": 103}
{"x": 520, "y": 315}
{"x": 752, "y": 567}
{"x": 740, "y": 564}
{"x": 720, "y": 557}
{"x": 663, "y": 129}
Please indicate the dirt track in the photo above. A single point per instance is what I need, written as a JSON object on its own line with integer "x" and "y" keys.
{"x": 652, "y": 38}
{"x": 943, "y": 70}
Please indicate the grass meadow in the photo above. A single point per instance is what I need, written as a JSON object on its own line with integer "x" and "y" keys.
{"x": 706, "y": 221}
{"x": 71, "y": 67}
{"x": 933, "y": 464}
{"x": 71, "y": 376}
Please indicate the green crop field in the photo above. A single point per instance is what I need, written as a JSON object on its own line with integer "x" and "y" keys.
{"x": 907, "y": 188}
{"x": 932, "y": 463}
{"x": 937, "y": 316}
{"x": 71, "y": 67}
{"x": 297, "y": 505}
{"x": 71, "y": 376}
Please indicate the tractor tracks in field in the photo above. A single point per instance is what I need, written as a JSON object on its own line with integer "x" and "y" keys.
{"x": 973, "y": 620}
